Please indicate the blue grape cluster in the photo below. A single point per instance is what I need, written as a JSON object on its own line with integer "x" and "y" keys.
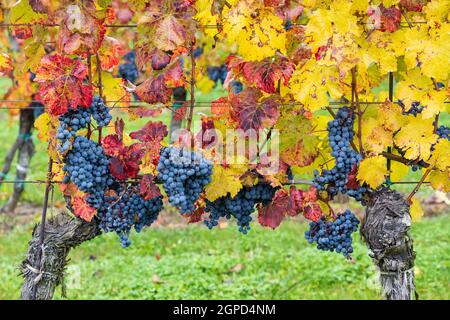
{"x": 443, "y": 132}
{"x": 120, "y": 213}
{"x": 184, "y": 175}
{"x": 100, "y": 112}
{"x": 74, "y": 120}
{"x": 217, "y": 73}
{"x": 415, "y": 109}
{"x": 87, "y": 166}
{"x": 69, "y": 124}
{"x": 334, "y": 235}
{"x": 129, "y": 70}
{"x": 340, "y": 135}
{"x": 236, "y": 86}
{"x": 240, "y": 207}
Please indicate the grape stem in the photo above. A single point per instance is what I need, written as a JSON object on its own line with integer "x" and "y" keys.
{"x": 192, "y": 102}
{"x": 397, "y": 158}
{"x": 416, "y": 188}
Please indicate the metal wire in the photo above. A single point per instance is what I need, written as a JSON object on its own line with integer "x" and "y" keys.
{"x": 136, "y": 180}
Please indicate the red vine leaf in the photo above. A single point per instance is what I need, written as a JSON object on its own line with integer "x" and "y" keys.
{"x": 154, "y": 90}
{"x": 159, "y": 59}
{"x": 251, "y": 113}
{"x": 81, "y": 209}
{"x": 126, "y": 164}
{"x": 207, "y": 136}
{"x": 265, "y": 73}
{"x": 110, "y": 53}
{"x": 143, "y": 111}
{"x": 352, "y": 181}
{"x": 151, "y": 135}
{"x": 272, "y": 214}
{"x": 180, "y": 112}
{"x": 149, "y": 189}
{"x": 61, "y": 84}
{"x": 112, "y": 145}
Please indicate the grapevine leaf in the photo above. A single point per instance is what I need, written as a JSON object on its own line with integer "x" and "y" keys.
{"x": 224, "y": 181}
{"x": 207, "y": 135}
{"x": 180, "y": 113}
{"x": 44, "y": 124}
{"x": 151, "y": 135}
{"x": 253, "y": 113}
{"x": 143, "y": 111}
{"x": 166, "y": 25}
{"x": 114, "y": 89}
{"x": 126, "y": 164}
{"x": 149, "y": 189}
{"x": 5, "y": 64}
{"x": 112, "y": 145}
{"x": 440, "y": 180}
{"x": 440, "y": 158}
{"x": 81, "y": 29}
{"x": 159, "y": 59}
{"x": 154, "y": 90}
{"x": 312, "y": 211}
{"x": 298, "y": 145}
{"x": 416, "y": 138}
{"x": 61, "y": 84}
{"x": 258, "y": 35}
{"x": 81, "y": 209}
{"x": 110, "y": 52}
{"x": 416, "y": 210}
{"x": 265, "y": 73}
{"x": 273, "y": 214}
{"x": 372, "y": 171}
{"x": 221, "y": 107}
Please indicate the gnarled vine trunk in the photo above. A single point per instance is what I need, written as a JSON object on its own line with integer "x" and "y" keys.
{"x": 62, "y": 233}
{"x": 385, "y": 229}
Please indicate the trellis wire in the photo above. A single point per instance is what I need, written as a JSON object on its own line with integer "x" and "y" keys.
{"x": 301, "y": 181}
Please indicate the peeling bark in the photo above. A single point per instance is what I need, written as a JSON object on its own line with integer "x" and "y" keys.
{"x": 385, "y": 229}
{"x": 62, "y": 233}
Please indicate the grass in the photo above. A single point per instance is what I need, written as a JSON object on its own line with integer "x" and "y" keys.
{"x": 195, "y": 263}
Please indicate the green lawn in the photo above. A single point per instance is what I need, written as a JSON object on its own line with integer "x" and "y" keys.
{"x": 195, "y": 263}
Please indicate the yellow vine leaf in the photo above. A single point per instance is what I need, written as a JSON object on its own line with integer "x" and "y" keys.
{"x": 390, "y": 116}
{"x": 311, "y": 85}
{"x": 398, "y": 171}
{"x": 390, "y": 3}
{"x": 416, "y": 210}
{"x": 440, "y": 180}
{"x": 22, "y": 12}
{"x": 113, "y": 89}
{"x": 204, "y": 84}
{"x": 440, "y": 157}
{"x": 43, "y": 124}
{"x": 258, "y": 36}
{"x": 375, "y": 138}
{"x": 417, "y": 87}
{"x": 416, "y": 138}
{"x": 372, "y": 171}
{"x": 224, "y": 181}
